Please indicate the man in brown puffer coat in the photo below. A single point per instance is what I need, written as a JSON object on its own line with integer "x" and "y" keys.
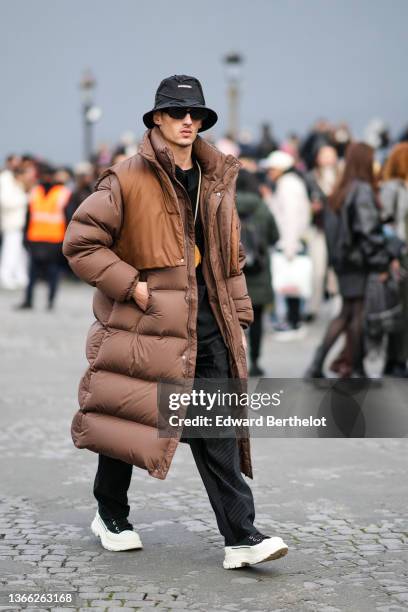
{"x": 159, "y": 239}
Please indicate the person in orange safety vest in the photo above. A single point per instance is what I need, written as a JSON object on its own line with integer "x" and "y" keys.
{"x": 45, "y": 230}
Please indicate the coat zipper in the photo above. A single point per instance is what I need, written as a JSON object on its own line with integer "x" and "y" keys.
{"x": 187, "y": 254}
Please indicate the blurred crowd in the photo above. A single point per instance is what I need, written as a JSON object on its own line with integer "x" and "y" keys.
{"x": 322, "y": 216}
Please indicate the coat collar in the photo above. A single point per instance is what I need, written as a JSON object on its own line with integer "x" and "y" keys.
{"x": 214, "y": 164}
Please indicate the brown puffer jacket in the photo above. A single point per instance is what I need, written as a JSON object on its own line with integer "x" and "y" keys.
{"x": 138, "y": 225}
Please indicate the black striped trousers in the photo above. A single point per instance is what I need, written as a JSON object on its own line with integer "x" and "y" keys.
{"x": 217, "y": 460}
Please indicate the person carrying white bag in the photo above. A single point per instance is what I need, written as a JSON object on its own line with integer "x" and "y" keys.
{"x": 291, "y": 266}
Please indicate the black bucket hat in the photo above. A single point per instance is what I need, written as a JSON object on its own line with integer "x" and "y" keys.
{"x": 180, "y": 91}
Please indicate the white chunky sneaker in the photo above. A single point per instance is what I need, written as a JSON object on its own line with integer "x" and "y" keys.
{"x": 255, "y": 548}
{"x": 115, "y": 534}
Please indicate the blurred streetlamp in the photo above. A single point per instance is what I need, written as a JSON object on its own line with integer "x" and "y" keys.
{"x": 90, "y": 113}
{"x": 233, "y": 63}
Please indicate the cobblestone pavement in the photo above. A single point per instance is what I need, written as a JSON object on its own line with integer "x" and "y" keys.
{"x": 341, "y": 505}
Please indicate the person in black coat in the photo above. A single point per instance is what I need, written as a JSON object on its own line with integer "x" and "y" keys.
{"x": 357, "y": 246}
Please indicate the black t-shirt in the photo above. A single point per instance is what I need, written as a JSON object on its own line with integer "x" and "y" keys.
{"x": 189, "y": 179}
{"x": 207, "y": 327}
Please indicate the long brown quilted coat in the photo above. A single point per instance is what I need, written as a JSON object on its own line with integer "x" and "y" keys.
{"x": 138, "y": 225}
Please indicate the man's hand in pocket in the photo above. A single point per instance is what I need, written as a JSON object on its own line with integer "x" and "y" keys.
{"x": 141, "y": 295}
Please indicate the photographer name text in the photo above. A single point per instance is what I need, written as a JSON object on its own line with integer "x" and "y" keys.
{"x": 259, "y": 421}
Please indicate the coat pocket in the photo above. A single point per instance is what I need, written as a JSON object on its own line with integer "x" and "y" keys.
{"x": 147, "y": 310}
{"x": 125, "y": 315}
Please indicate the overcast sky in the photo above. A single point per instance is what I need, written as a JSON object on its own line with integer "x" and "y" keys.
{"x": 343, "y": 59}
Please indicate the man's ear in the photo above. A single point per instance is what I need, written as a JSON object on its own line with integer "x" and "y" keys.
{"x": 157, "y": 118}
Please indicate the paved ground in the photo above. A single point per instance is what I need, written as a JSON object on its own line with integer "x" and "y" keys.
{"x": 340, "y": 504}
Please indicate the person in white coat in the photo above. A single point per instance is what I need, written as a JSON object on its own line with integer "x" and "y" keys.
{"x": 13, "y": 210}
{"x": 290, "y": 205}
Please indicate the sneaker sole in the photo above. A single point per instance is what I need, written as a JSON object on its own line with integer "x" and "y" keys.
{"x": 100, "y": 532}
{"x": 278, "y": 553}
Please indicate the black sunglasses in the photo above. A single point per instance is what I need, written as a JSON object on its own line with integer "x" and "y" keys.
{"x": 180, "y": 112}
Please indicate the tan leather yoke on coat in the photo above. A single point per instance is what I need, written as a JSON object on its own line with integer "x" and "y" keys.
{"x": 138, "y": 225}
